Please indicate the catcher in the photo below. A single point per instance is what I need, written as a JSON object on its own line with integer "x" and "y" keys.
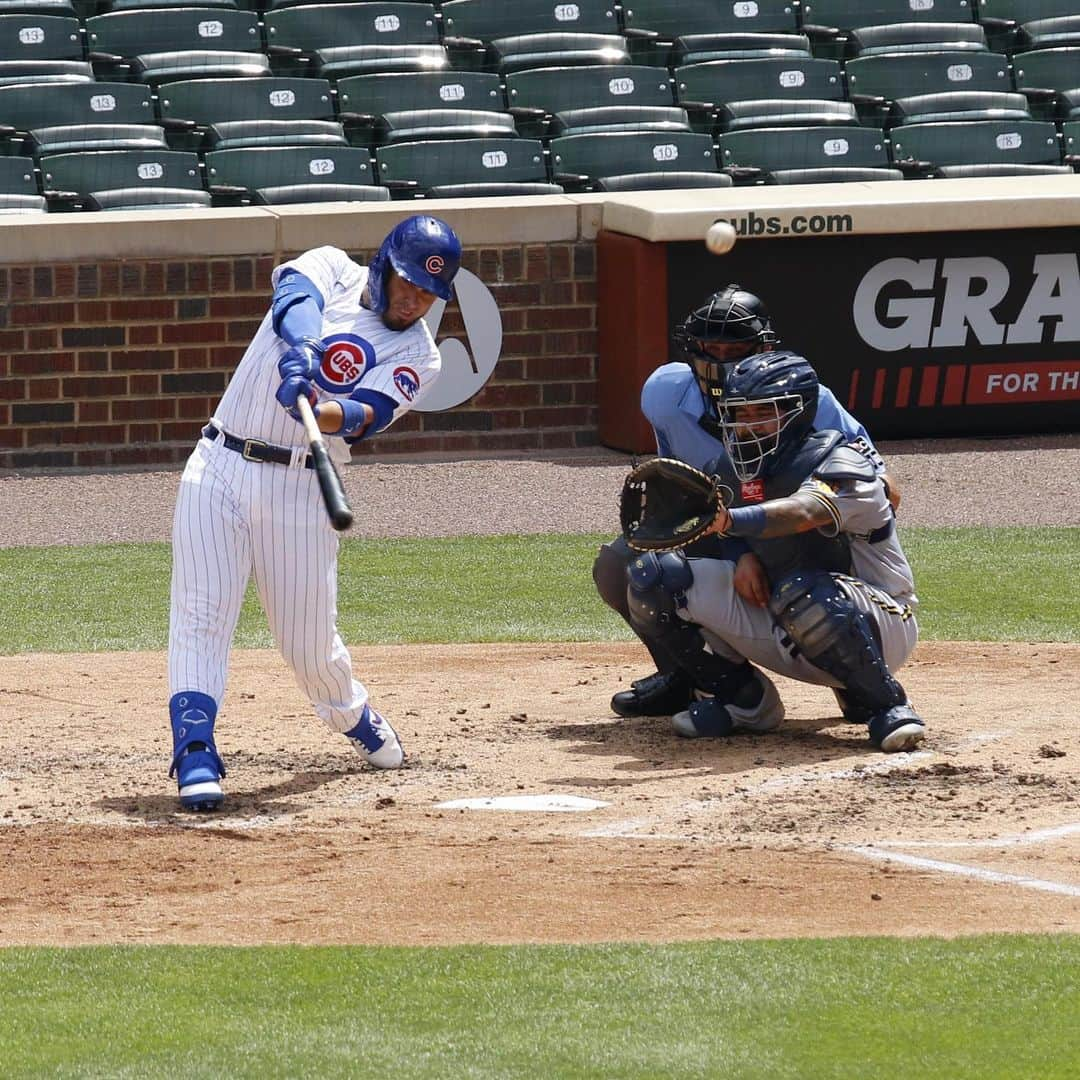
{"x": 680, "y": 400}
{"x": 840, "y": 594}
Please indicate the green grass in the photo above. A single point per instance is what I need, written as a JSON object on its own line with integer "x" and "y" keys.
{"x": 991, "y": 1006}
{"x": 981, "y": 584}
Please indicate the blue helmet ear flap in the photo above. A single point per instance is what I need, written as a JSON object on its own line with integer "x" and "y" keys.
{"x": 422, "y": 249}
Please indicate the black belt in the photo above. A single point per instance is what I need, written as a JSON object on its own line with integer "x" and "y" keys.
{"x": 255, "y": 449}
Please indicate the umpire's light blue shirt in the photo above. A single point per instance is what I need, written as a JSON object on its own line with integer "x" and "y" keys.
{"x": 672, "y": 402}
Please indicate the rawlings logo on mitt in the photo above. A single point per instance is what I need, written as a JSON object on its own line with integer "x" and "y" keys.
{"x": 666, "y": 504}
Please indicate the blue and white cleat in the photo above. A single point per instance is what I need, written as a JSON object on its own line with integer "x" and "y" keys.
{"x": 376, "y": 741}
{"x": 198, "y": 773}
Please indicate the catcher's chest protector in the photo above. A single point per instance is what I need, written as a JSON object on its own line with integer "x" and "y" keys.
{"x": 783, "y": 555}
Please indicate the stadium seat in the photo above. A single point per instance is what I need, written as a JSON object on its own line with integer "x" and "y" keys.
{"x": 1044, "y": 76}
{"x": 155, "y": 46}
{"x": 510, "y": 54}
{"x": 264, "y": 174}
{"x": 753, "y": 153}
{"x": 18, "y": 187}
{"x": 958, "y": 105}
{"x": 852, "y": 175}
{"x": 44, "y": 72}
{"x": 653, "y": 26}
{"x": 618, "y": 118}
{"x": 915, "y": 37}
{"x": 38, "y": 7}
{"x": 340, "y": 39}
{"x": 1001, "y": 143}
{"x": 103, "y": 7}
{"x": 657, "y": 181}
{"x": 828, "y": 22}
{"x": 34, "y": 37}
{"x": 465, "y": 168}
{"x": 471, "y": 23}
{"x": 245, "y": 110}
{"x": 1049, "y": 33}
{"x": 1070, "y": 136}
{"x": 415, "y": 124}
{"x": 701, "y": 48}
{"x": 1002, "y": 19}
{"x": 582, "y": 160}
{"x": 94, "y": 108}
{"x": 124, "y": 180}
{"x": 536, "y": 96}
{"x": 738, "y": 115}
{"x": 1069, "y": 104}
{"x": 875, "y": 81}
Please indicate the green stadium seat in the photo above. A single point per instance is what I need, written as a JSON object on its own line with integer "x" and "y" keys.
{"x": 275, "y": 169}
{"x": 34, "y": 37}
{"x": 418, "y": 124}
{"x": 1049, "y": 33}
{"x": 701, "y": 48}
{"x": 916, "y": 37}
{"x": 471, "y": 23}
{"x": 190, "y": 108}
{"x": 828, "y": 22}
{"x": 365, "y": 97}
{"x": 1044, "y": 76}
{"x": 958, "y": 105}
{"x": 1070, "y": 138}
{"x": 875, "y": 81}
{"x": 44, "y": 72}
{"x": 970, "y": 172}
{"x": 756, "y": 151}
{"x": 125, "y": 179}
{"x": 661, "y": 181}
{"x": 88, "y": 104}
{"x": 510, "y": 54}
{"x": 69, "y": 138}
{"x": 337, "y": 40}
{"x": 618, "y": 118}
{"x": 653, "y": 27}
{"x": 738, "y": 115}
{"x": 443, "y": 168}
{"x": 38, "y": 7}
{"x": 834, "y": 176}
{"x": 536, "y": 96}
{"x": 18, "y": 187}
{"x": 154, "y": 46}
{"x": 582, "y": 160}
{"x": 318, "y": 193}
{"x": 233, "y": 134}
{"x": 1002, "y": 19}
{"x": 712, "y": 84}
{"x": 1001, "y": 143}
{"x": 135, "y": 5}
{"x": 1069, "y": 104}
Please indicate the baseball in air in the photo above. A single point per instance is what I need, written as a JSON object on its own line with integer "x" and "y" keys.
{"x": 720, "y": 238}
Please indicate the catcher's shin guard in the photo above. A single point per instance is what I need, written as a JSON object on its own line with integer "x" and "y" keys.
{"x": 196, "y": 763}
{"x": 836, "y": 636}
{"x": 657, "y": 584}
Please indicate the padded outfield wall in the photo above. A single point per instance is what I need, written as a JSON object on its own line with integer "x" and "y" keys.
{"x": 931, "y": 307}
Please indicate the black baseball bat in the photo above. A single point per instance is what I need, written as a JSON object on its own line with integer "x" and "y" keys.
{"x": 333, "y": 492}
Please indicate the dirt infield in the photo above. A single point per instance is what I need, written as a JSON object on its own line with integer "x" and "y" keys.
{"x": 795, "y": 833}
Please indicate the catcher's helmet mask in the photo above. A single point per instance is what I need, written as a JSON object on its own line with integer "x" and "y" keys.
{"x": 423, "y": 250}
{"x": 782, "y": 390}
{"x": 732, "y": 317}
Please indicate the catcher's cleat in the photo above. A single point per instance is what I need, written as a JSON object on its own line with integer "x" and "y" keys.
{"x": 896, "y": 729}
{"x": 754, "y": 708}
{"x": 376, "y": 741}
{"x": 198, "y": 774}
{"x": 659, "y": 694}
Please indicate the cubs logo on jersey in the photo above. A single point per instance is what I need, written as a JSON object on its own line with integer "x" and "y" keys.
{"x": 346, "y": 359}
{"x": 407, "y": 381}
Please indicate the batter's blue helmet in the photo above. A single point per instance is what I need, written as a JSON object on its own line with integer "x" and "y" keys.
{"x": 788, "y": 385}
{"x": 424, "y": 251}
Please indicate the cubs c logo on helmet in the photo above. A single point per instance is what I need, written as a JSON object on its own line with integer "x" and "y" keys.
{"x": 434, "y": 265}
{"x": 346, "y": 360}
{"x": 407, "y": 381}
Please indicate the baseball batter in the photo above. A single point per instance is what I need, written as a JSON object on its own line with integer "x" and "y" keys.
{"x": 352, "y": 340}
{"x": 834, "y": 601}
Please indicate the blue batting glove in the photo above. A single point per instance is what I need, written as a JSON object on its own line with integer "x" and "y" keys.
{"x": 293, "y": 387}
{"x": 302, "y": 359}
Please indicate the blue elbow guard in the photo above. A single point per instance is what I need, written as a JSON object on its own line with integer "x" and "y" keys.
{"x": 382, "y": 404}
{"x": 296, "y": 309}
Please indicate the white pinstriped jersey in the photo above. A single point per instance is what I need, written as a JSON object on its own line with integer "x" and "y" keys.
{"x": 401, "y": 364}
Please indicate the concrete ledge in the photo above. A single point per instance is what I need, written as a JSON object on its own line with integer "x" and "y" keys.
{"x": 907, "y": 206}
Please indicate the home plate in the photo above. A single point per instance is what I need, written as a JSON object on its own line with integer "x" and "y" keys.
{"x": 540, "y": 804}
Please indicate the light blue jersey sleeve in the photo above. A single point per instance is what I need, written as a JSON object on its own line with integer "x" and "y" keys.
{"x": 831, "y": 415}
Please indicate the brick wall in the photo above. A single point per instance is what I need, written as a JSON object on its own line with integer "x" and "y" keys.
{"x": 120, "y": 363}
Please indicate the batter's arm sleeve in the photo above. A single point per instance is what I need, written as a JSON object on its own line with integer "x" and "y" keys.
{"x": 297, "y": 307}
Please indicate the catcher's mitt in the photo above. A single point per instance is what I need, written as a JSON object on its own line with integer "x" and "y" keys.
{"x": 666, "y": 504}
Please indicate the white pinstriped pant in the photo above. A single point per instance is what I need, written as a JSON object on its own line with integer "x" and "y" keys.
{"x": 234, "y": 517}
